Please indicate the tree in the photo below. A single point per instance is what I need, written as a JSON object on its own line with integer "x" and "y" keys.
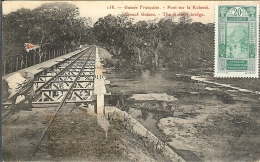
{"x": 15, "y": 29}
{"x": 185, "y": 18}
{"x": 154, "y": 42}
{"x": 57, "y": 21}
{"x": 51, "y": 26}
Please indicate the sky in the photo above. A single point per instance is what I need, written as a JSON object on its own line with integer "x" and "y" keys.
{"x": 97, "y": 9}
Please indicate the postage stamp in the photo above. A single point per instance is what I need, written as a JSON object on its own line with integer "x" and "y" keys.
{"x": 236, "y": 41}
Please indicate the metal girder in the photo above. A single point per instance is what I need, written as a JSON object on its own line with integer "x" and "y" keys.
{"x": 74, "y": 79}
{"x": 65, "y": 89}
{"x": 58, "y": 81}
{"x": 60, "y": 68}
{"x": 49, "y": 76}
{"x": 57, "y": 102}
{"x": 53, "y": 72}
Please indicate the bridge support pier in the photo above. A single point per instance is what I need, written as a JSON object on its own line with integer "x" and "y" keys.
{"x": 99, "y": 86}
{"x": 100, "y": 104}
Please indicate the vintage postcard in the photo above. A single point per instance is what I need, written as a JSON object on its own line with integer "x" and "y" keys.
{"x": 130, "y": 81}
{"x": 236, "y": 40}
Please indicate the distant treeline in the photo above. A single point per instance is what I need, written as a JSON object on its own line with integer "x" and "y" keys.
{"x": 135, "y": 46}
{"x": 156, "y": 43}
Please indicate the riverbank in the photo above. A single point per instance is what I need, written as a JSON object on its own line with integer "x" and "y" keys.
{"x": 211, "y": 123}
{"x": 76, "y": 135}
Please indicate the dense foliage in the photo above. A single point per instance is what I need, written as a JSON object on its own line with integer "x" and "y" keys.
{"x": 135, "y": 46}
{"x": 156, "y": 43}
{"x": 51, "y": 26}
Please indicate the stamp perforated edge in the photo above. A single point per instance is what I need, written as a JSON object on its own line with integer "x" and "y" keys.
{"x": 235, "y": 74}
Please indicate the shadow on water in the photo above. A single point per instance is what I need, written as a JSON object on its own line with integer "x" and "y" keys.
{"x": 149, "y": 119}
{"x": 187, "y": 155}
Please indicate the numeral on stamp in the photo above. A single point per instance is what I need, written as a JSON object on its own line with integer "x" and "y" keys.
{"x": 236, "y": 40}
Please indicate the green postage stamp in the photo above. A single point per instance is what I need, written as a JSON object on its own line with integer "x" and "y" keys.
{"x": 236, "y": 40}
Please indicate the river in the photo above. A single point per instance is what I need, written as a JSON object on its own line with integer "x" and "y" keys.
{"x": 199, "y": 129}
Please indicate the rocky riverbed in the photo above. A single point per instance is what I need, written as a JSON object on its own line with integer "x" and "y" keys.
{"x": 204, "y": 122}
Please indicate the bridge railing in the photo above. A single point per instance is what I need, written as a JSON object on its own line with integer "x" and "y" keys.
{"x": 17, "y": 62}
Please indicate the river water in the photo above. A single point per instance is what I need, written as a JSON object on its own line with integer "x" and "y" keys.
{"x": 160, "y": 82}
{"x": 199, "y": 128}
{"x": 144, "y": 82}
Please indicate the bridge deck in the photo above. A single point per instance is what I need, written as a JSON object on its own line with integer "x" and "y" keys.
{"x": 38, "y": 68}
{"x": 78, "y": 73}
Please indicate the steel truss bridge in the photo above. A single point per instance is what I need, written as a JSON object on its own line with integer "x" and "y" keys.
{"x": 67, "y": 80}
